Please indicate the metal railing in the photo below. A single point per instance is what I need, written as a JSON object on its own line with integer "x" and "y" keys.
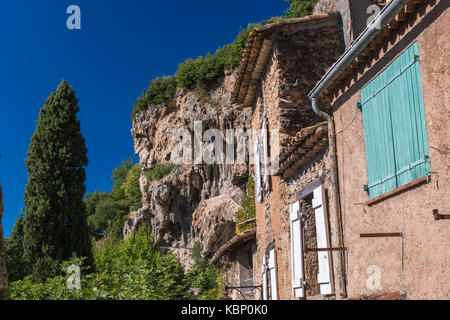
{"x": 247, "y": 290}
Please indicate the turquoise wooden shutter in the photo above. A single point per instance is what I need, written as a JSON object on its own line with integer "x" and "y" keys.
{"x": 408, "y": 118}
{"x": 395, "y": 126}
{"x": 378, "y": 138}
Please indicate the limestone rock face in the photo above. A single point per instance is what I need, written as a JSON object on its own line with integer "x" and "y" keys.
{"x": 213, "y": 221}
{"x": 3, "y": 275}
{"x": 195, "y": 202}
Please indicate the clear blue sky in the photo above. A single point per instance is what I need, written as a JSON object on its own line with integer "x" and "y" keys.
{"x": 122, "y": 46}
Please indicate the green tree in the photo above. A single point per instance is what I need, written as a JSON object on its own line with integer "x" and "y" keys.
{"x": 132, "y": 189}
{"x": 17, "y": 265}
{"x": 55, "y": 224}
{"x": 202, "y": 275}
{"x": 102, "y": 208}
{"x": 119, "y": 177}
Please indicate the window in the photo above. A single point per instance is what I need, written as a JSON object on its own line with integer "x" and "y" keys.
{"x": 269, "y": 272}
{"x": 394, "y": 126}
{"x": 315, "y": 193}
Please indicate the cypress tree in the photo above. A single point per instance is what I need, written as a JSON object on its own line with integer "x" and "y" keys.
{"x": 55, "y": 225}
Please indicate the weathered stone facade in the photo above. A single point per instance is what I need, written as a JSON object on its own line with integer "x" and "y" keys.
{"x": 297, "y": 61}
{"x": 3, "y": 275}
{"x": 418, "y": 264}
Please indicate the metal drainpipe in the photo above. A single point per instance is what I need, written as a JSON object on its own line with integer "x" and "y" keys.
{"x": 335, "y": 190}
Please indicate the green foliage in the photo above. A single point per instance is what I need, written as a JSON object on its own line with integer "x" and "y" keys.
{"x": 55, "y": 224}
{"x": 159, "y": 171}
{"x": 195, "y": 74}
{"x": 129, "y": 270}
{"x": 248, "y": 210}
{"x": 107, "y": 211}
{"x": 196, "y": 253}
{"x": 17, "y": 265}
{"x": 300, "y": 8}
{"x": 202, "y": 275}
{"x": 200, "y": 73}
{"x": 159, "y": 90}
{"x": 103, "y": 209}
{"x": 131, "y": 188}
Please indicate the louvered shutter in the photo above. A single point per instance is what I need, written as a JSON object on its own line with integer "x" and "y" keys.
{"x": 395, "y": 129}
{"x": 324, "y": 276}
{"x": 378, "y": 138}
{"x": 264, "y": 276}
{"x": 408, "y": 118}
{"x": 273, "y": 274}
{"x": 258, "y": 171}
{"x": 296, "y": 251}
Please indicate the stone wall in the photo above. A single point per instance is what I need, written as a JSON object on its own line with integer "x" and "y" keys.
{"x": 3, "y": 275}
{"x": 418, "y": 265}
{"x": 293, "y": 69}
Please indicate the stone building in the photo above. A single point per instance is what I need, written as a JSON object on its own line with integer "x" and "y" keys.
{"x": 3, "y": 275}
{"x": 280, "y": 65}
{"x": 386, "y": 99}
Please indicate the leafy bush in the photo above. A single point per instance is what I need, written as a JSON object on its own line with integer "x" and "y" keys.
{"x": 159, "y": 90}
{"x": 195, "y": 74}
{"x": 202, "y": 275}
{"x": 129, "y": 270}
{"x": 200, "y": 73}
{"x": 300, "y": 8}
{"x": 248, "y": 210}
{"x": 159, "y": 171}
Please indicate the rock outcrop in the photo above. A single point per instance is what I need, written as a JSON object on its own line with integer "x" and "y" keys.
{"x": 195, "y": 202}
{"x": 3, "y": 275}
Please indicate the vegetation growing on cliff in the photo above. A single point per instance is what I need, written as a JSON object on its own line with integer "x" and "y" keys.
{"x": 300, "y": 8}
{"x": 248, "y": 210}
{"x": 200, "y": 73}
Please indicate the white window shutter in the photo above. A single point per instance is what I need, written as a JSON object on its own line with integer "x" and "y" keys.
{"x": 265, "y": 155}
{"x": 264, "y": 276}
{"x": 297, "y": 250}
{"x": 324, "y": 276}
{"x": 258, "y": 171}
{"x": 273, "y": 274}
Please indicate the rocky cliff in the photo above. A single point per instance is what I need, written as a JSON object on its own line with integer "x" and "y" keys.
{"x": 194, "y": 202}
{"x": 2, "y": 263}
